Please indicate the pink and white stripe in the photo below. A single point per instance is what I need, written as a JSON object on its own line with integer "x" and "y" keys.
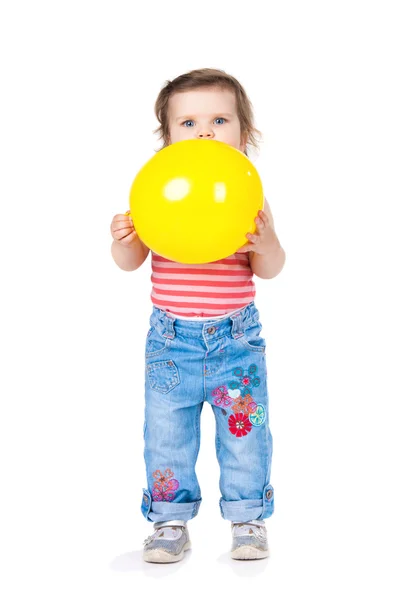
{"x": 206, "y": 290}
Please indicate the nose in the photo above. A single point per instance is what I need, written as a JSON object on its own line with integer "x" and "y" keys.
{"x": 206, "y": 134}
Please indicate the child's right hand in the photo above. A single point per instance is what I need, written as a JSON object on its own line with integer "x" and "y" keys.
{"x": 123, "y": 231}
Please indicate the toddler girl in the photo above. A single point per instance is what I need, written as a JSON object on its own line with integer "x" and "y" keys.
{"x": 204, "y": 345}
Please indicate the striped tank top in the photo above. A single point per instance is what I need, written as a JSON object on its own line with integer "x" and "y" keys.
{"x": 202, "y": 290}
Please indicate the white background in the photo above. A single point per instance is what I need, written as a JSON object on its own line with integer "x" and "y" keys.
{"x": 78, "y": 85}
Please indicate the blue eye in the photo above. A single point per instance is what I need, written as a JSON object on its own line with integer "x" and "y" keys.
{"x": 220, "y": 119}
{"x": 185, "y": 123}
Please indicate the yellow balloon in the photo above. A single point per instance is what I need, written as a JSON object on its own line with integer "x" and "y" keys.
{"x": 195, "y": 200}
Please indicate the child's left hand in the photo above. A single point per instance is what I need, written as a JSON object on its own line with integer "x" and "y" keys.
{"x": 263, "y": 239}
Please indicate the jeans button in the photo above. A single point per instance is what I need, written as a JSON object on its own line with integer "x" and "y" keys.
{"x": 211, "y": 330}
{"x": 268, "y": 494}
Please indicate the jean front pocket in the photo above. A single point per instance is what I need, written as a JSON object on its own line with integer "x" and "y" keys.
{"x": 163, "y": 376}
{"x": 252, "y": 339}
{"x": 156, "y": 344}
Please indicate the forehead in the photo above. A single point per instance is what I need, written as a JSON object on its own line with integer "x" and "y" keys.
{"x": 202, "y": 102}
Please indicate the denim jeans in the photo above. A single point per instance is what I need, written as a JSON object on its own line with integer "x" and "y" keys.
{"x": 223, "y": 363}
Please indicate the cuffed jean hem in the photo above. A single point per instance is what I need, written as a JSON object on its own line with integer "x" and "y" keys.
{"x": 249, "y": 510}
{"x": 167, "y": 511}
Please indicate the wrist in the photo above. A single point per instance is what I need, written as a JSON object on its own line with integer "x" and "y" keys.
{"x": 272, "y": 248}
{"x": 268, "y": 265}
{"x": 129, "y": 257}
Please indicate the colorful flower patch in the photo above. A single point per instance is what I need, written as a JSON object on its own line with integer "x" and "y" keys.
{"x": 165, "y": 486}
{"x": 245, "y": 381}
{"x": 257, "y": 418}
{"x": 239, "y": 424}
{"x": 221, "y": 396}
{"x": 238, "y": 398}
{"x": 245, "y": 405}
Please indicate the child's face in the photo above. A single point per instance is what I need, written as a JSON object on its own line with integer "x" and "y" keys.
{"x": 205, "y": 113}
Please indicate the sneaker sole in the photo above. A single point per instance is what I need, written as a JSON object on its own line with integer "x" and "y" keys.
{"x": 162, "y": 556}
{"x": 248, "y": 553}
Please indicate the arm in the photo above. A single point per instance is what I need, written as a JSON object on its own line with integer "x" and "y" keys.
{"x": 266, "y": 255}
{"x": 129, "y": 258}
{"x": 128, "y": 250}
{"x": 270, "y": 265}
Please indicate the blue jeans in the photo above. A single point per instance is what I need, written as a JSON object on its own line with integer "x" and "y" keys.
{"x": 223, "y": 363}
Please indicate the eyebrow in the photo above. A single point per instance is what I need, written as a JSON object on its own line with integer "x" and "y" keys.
{"x": 220, "y": 114}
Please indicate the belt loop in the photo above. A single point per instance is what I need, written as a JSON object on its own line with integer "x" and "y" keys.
{"x": 237, "y": 327}
{"x": 169, "y": 327}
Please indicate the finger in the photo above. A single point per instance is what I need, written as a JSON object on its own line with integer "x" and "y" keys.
{"x": 246, "y": 248}
{"x": 122, "y": 219}
{"x": 253, "y": 237}
{"x": 122, "y": 226}
{"x": 123, "y": 216}
{"x": 260, "y": 223}
{"x": 118, "y": 223}
{"x": 264, "y": 217}
{"x": 120, "y": 234}
{"x": 128, "y": 239}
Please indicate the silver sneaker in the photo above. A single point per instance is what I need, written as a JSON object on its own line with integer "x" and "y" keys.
{"x": 249, "y": 540}
{"x": 168, "y": 543}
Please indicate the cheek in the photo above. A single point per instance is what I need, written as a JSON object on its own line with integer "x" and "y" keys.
{"x": 232, "y": 141}
{"x": 180, "y": 133}
{"x": 231, "y": 137}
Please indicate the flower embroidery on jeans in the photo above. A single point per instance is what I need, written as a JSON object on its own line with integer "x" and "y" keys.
{"x": 237, "y": 397}
{"x": 246, "y": 380}
{"x": 245, "y": 405}
{"x": 239, "y": 424}
{"x": 221, "y": 396}
{"x": 258, "y": 417}
{"x": 165, "y": 486}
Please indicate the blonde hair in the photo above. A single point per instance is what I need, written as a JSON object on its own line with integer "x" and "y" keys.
{"x": 201, "y": 78}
